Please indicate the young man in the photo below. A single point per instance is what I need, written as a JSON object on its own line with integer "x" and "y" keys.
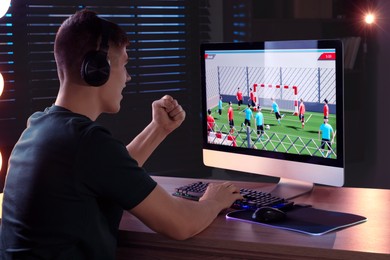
{"x": 69, "y": 180}
{"x": 239, "y": 98}
{"x": 302, "y": 111}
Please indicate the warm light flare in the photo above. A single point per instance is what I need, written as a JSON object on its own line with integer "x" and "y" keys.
{"x": 1, "y": 84}
{"x": 1, "y": 161}
{"x": 369, "y": 18}
{"x": 4, "y": 5}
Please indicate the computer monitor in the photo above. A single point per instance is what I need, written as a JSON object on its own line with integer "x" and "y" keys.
{"x": 300, "y": 152}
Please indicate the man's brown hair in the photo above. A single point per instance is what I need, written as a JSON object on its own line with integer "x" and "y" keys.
{"x": 80, "y": 34}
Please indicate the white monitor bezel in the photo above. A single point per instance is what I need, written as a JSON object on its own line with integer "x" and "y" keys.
{"x": 289, "y": 166}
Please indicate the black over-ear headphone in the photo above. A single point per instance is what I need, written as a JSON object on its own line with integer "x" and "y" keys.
{"x": 95, "y": 69}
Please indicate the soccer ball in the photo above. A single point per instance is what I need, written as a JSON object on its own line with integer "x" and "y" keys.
{"x": 267, "y": 127}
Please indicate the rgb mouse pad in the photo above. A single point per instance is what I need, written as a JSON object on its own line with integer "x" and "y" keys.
{"x": 305, "y": 220}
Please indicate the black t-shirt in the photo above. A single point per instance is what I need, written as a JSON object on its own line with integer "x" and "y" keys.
{"x": 67, "y": 185}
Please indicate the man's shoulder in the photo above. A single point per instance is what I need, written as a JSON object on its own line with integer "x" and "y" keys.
{"x": 57, "y": 121}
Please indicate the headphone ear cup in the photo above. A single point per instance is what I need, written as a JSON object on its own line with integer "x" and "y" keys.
{"x": 95, "y": 69}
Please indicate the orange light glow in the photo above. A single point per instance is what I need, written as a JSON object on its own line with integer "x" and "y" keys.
{"x": 1, "y": 92}
{"x": 4, "y": 5}
{"x": 1, "y": 84}
{"x": 369, "y": 18}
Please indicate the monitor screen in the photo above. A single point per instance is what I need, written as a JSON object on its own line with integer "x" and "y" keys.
{"x": 275, "y": 108}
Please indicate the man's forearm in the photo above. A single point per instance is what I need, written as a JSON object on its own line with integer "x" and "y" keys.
{"x": 145, "y": 143}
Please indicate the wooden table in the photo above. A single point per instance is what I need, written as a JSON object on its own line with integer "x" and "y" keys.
{"x": 231, "y": 239}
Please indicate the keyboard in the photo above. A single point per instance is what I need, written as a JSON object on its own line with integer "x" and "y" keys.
{"x": 252, "y": 199}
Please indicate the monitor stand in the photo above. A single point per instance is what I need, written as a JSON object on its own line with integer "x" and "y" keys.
{"x": 288, "y": 189}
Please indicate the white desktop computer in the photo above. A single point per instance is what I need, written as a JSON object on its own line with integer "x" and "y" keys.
{"x": 275, "y": 108}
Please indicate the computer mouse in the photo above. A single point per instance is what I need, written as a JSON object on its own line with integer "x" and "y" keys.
{"x": 268, "y": 214}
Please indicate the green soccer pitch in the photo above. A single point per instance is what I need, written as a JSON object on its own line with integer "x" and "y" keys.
{"x": 287, "y": 137}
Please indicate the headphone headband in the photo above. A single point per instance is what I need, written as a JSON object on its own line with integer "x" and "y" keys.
{"x": 105, "y": 35}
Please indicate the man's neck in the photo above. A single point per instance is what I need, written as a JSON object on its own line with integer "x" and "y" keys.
{"x": 79, "y": 101}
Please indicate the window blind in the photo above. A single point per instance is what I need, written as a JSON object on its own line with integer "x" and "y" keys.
{"x": 164, "y": 59}
{"x": 237, "y": 14}
{"x": 7, "y": 69}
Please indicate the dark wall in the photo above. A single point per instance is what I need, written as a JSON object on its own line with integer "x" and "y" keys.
{"x": 366, "y": 86}
{"x": 377, "y": 172}
{"x": 160, "y": 63}
{"x": 366, "y": 97}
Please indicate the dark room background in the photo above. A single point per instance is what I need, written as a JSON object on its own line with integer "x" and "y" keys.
{"x": 164, "y": 59}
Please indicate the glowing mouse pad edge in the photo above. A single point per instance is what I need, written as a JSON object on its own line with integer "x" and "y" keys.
{"x": 305, "y": 220}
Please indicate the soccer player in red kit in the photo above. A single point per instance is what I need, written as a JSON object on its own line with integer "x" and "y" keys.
{"x": 239, "y": 98}
{"x": 302, "y": 113}
{"x": 252, "y": 98}
{"x": 210, "y": 121}
{"x": 231, "y": 116}
{"x": 326, "y": 109}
